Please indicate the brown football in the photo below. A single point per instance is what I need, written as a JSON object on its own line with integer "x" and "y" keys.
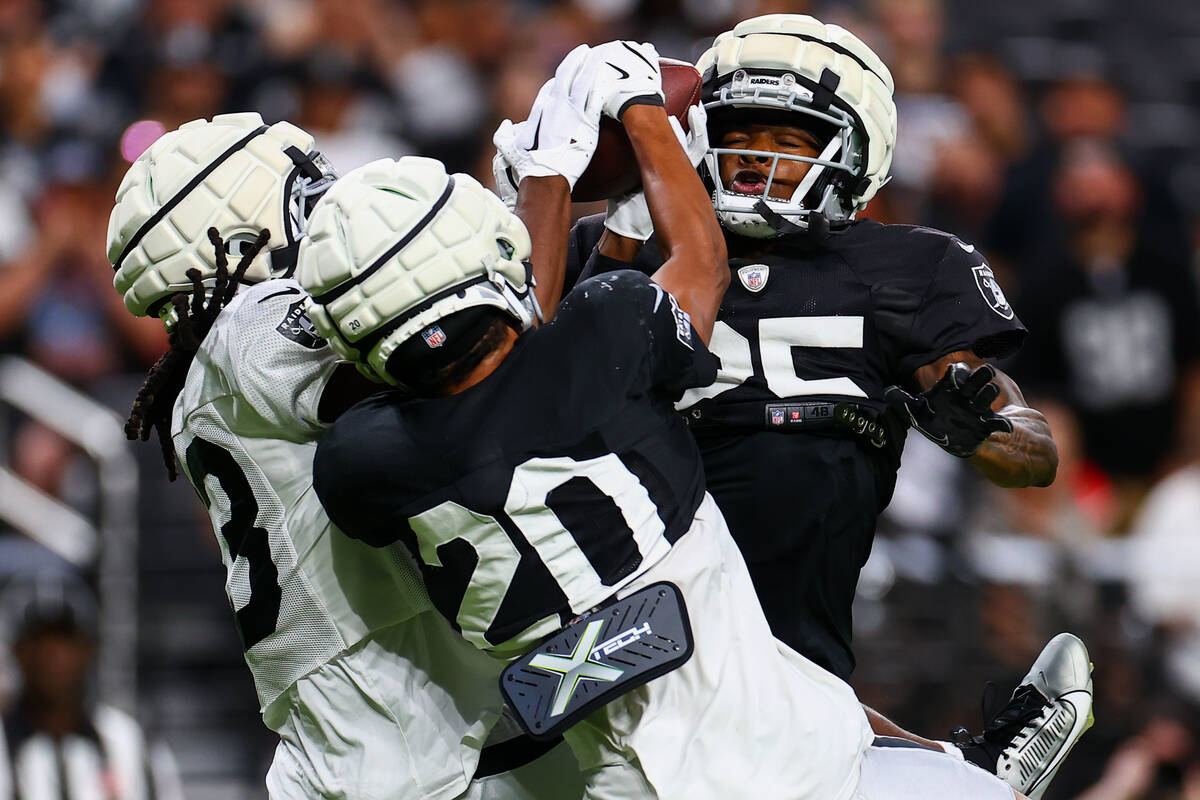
{"x": 613, "y": 170}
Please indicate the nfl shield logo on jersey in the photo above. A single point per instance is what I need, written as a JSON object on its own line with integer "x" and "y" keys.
{"x": 991, "y": 291}
{"x": 434, "y": 336}
{"x": 754, "y": 277}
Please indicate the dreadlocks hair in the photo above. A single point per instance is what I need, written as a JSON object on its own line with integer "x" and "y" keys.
{"x": 152, "y": 408}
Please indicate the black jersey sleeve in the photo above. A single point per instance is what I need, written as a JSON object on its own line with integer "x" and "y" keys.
{"x": 359, "y": 475}
{"x": 642, "y": 332}
{"x": 963, "y": 308}
{"x": 585, "y": 261}
{"x": 581, "y": 247}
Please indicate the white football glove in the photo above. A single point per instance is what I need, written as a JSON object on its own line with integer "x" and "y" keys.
{"x": 627, "y": 74}
{"x": 628, "y": 215}
{"x": 561, "y": 133}
{"x": 505, "y": 177}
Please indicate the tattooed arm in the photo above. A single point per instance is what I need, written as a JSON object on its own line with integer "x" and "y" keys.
{"x": 1025, "y": 457}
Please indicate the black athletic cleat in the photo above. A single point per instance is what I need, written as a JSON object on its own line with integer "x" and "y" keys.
{"x": 1025, "y": 743}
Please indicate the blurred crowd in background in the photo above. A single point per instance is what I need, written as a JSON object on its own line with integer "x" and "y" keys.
{"x": 1061, "y": 137}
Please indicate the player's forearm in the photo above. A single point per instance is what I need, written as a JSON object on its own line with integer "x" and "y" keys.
{"x": 695, "y": 270}
{"x": 882, "y": 726}
{"x": 1025, "y": 457}
{"x": 544, "y": 205}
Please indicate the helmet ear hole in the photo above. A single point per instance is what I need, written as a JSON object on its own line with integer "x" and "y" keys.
{"x": 238, "y": 244}
{"x": 447, "y": 350}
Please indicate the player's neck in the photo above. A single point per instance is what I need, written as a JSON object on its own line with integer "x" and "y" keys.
{"x": 747, "y": 247}
{"x": 489, "y": 364}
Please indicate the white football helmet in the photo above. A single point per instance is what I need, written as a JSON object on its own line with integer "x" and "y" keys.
{"x": 794, "y": 63}
{"x": 396, "y": 246}
{"x": 236, "y": 174}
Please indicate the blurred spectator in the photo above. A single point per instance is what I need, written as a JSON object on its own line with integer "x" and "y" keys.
{"x": 1164, "y": 554}
{"x": 348, "y": 111}
{"x": 1074, "y": 108}
{"x": 1114, "y": 324}
{"x": 53, "y": 466}
{"x": 443, "y": 84}
{"x": 182, "y": 60}
{"x": 929, "y": 119}
{"x": 967, "y": 179}
{"x": 996, "y": 103}
{"x": 56, "y": 298}
{"x": 371, "y": 33}
{"x": 58, "y": 741}
{"x": 1161, "y": 761}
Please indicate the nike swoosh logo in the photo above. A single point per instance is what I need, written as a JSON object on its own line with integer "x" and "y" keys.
{"x": 624, "y": 74}
{"x": 658, "y": 295}
{"x": 639, "y": 55}
{"x": 970, "y": 248}
{"x": 293, "y": 290}
{"x": 941, "y": 441}
{"x": 537, "y": 132}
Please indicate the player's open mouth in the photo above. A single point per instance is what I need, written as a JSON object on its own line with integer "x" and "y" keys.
{"x": 748, "y": 181}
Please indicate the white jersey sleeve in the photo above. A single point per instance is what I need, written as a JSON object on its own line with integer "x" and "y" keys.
{"x": 274, "y": 357}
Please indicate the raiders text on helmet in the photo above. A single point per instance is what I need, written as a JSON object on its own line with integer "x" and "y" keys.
{"x": 794, "y": 63}
{"x": 234, "y": 173}
{"x": 396, "y": 246}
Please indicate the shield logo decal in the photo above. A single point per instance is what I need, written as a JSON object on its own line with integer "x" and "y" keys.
{"x": 434, "y": 336}
{"x": 993, "y": 295}
{"x": 754, "y": 277}
{"x": 299, "y": 328}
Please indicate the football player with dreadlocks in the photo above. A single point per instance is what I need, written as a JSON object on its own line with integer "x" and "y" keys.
{"x": 828, "y": 323}
{"x": 371, "y": 692}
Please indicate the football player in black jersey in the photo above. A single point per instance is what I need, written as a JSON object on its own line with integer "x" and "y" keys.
{"x": 829, "y": 322}
{"x": 534, "y": 485}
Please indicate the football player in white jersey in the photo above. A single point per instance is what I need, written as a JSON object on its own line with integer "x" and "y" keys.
{"x": 372, "y": 693}
{"x": 539, "y": 473}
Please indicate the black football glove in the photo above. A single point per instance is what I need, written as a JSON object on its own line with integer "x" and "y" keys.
{"x": 956, "y": 412}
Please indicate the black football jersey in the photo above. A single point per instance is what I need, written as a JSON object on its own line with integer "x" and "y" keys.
{"x": 535, "y": 494}
{"x": 800, "y": 329}
{"x": 842, "y": 320}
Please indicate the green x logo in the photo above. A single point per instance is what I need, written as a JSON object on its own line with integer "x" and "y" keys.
{"x": 576, "y": 667}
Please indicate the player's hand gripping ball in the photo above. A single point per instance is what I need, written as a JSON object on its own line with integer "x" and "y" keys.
{"x": 613, "y": 170}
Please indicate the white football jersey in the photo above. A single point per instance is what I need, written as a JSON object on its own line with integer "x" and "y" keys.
{"x": 373, "y": 694}
{"x": 245, "y": 428}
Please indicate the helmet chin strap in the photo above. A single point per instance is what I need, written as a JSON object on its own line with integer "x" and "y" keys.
{"x": 817, "y": 225}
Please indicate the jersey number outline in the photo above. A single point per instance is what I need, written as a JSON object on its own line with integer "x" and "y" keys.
{"x": 529, "y": 510}
{"x": 776, "y": 338}
{"x": 259, "y": 617}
